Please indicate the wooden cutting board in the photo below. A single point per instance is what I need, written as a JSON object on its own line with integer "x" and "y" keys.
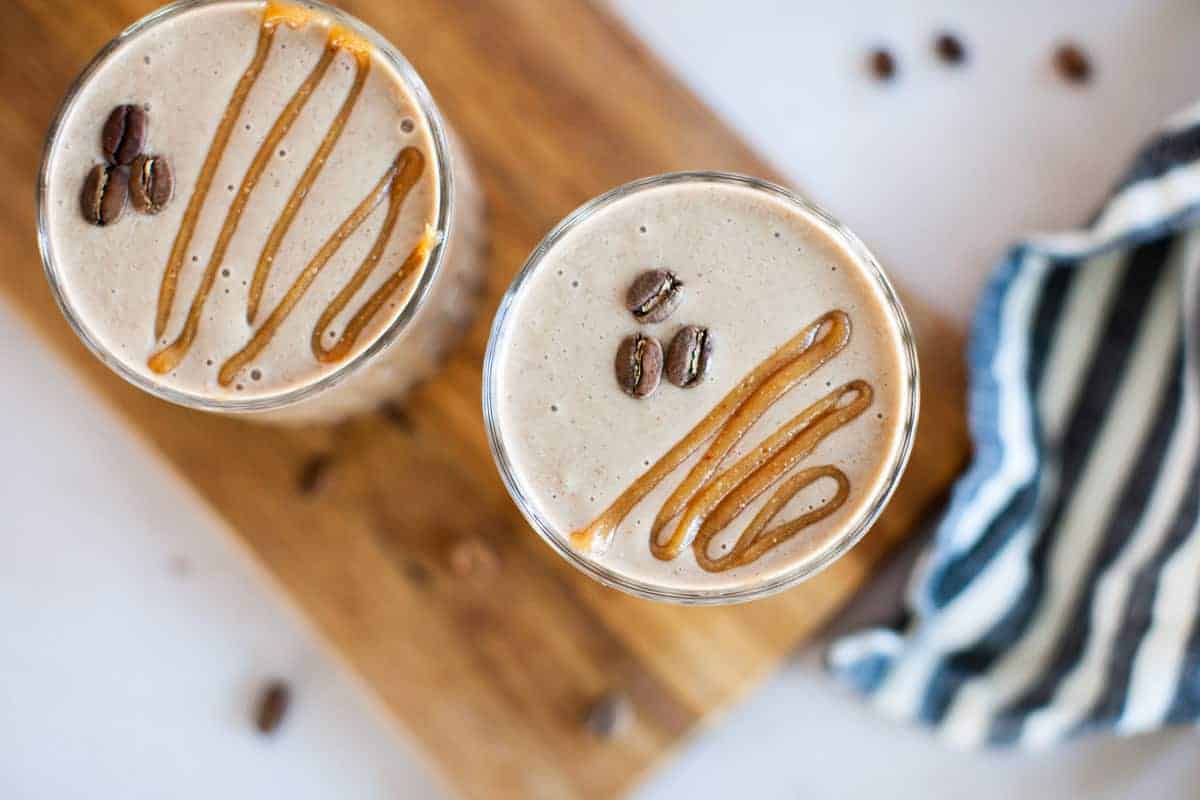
{"x": 407, "y": 554}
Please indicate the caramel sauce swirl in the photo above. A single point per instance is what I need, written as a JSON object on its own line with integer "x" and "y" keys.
{"x": 375, "y": 302}
{"x": 339, "y": 39}
{"x": 396, "y": 184}
{"x": 726, "y": 496}
{"x": 755, "y": 541}
{"x": 166, "y": 359}
{"x": 183, "y": 237}
{"x": 277, "y": 13}
{"x": 707, "y": 501}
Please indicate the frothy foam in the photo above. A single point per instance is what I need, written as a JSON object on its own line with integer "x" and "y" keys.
{"x": 277, "y": 259}
{"x": 781, "y": 448}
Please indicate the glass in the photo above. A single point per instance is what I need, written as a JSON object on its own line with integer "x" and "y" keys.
{"x": 831, "y": 550}
{"x": 416, "y": 341}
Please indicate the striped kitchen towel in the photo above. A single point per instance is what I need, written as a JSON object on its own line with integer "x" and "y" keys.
{"x": 1060, "y": 592}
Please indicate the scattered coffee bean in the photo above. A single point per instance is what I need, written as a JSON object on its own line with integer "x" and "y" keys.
{"x": 394, "y": 413}
{"x": 273, "y": 704}
{"x": 124, "y": 134}
{"x": 150, "y": 183}
{"x": 1072, "y": 63}
{"x": 313, "y": 473}
{"x": 882, "y": 64}
{"x": 417, "y": 572}
{"x": 609, "y": 716}
{"x": 688, "y": 355}
{"x": 654, "y": 295}
{"x": 103, "y": 197}
{"x": 949, "y": 48}
{"x": 639, "y": 365}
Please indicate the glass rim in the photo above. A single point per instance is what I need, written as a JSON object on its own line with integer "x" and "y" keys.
{"x": 290, "y": 397}
{"x": 788, "y": 578}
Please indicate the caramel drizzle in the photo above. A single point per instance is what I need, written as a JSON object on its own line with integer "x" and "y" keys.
{"x": 183, "y": 237}
{"x": 705, "y": 504}
{"x": 755, "y": 541}
{"x": 339, "y": 38}
{"x": 397, "y": 181}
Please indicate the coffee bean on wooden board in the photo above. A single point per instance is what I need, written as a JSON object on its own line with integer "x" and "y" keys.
{"x": 609, "y": 716}
{"x": 103, "y": 196}
{"x": 394, "y": 413}
{"x": 639, "y": 365}
{"x": 124, "y": 134}
{"x": 272, "y": 706}
{"x": 654, "y": 295}
{"x": 313, "y": 474}
{"x": 151, "y": 183}
{"x": 688, "y": 356}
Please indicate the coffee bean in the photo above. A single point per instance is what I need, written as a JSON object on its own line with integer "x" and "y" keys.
{"x": 639, "y": 365}
{"x": 609, "y": 716}
{"x": 124, "y": 134}
{"x": 688, "y": 355}
{"x": 313, "y": 474}
{"x": 949, "y": 48}
{"x": 103, "y": 197}
{"x": 273, "y": 704}
{"x": 1072, "y": 63}
{"x": 417, "y": 572}
{"x": 150, "y": 183}
{"x": 882, "y": 64}
{"x": 654, "y": 295}
{"x": 394, "y": 413}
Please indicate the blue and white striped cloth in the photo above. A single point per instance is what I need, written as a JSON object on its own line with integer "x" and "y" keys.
{"x": 1061, "y": 590}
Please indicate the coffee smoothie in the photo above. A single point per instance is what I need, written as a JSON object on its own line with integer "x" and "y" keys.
{"x": 254, "y": 206}
{"x": 701, "y": 388}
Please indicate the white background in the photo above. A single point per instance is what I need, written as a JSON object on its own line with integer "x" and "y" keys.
{"x": 134, "y": 631}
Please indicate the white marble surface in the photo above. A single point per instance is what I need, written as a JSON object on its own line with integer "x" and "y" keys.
{"x": 802, "y": 737}
{"x": 133, "y": 631}
{"x": 939, "y": 170}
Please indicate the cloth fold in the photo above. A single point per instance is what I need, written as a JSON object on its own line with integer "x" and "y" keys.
{"x": 1060, "y": 590}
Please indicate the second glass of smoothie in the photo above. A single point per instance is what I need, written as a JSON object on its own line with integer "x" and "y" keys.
{"x": 701, "y": 388}
{"x": 256, "y": 206}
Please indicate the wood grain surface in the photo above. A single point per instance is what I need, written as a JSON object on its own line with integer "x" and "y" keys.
{"x": 406, "y": 552}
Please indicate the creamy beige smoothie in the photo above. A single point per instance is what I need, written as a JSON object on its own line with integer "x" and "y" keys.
{"x": 767, "y": 446}
{"x": 287, "y": 221}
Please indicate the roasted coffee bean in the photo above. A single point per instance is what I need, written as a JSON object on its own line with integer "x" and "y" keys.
{"x": 609, "y": 716}
{"x": 639, "y": 365}
{"x": 949, "y": 48}
{"x": 103, "y": 197}
{"x": 124, "y": 134}
{"x": 273, "y": 704}
{"x": 654, "y": 295}
{"x": 150, "y": 183}
{"x": 688, "y": 355}
{"x": 314, "y": 473}
{"x": 882, "y": 64}
{"x": 394, "y": 413}
{"x": 1073, "y": 64}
